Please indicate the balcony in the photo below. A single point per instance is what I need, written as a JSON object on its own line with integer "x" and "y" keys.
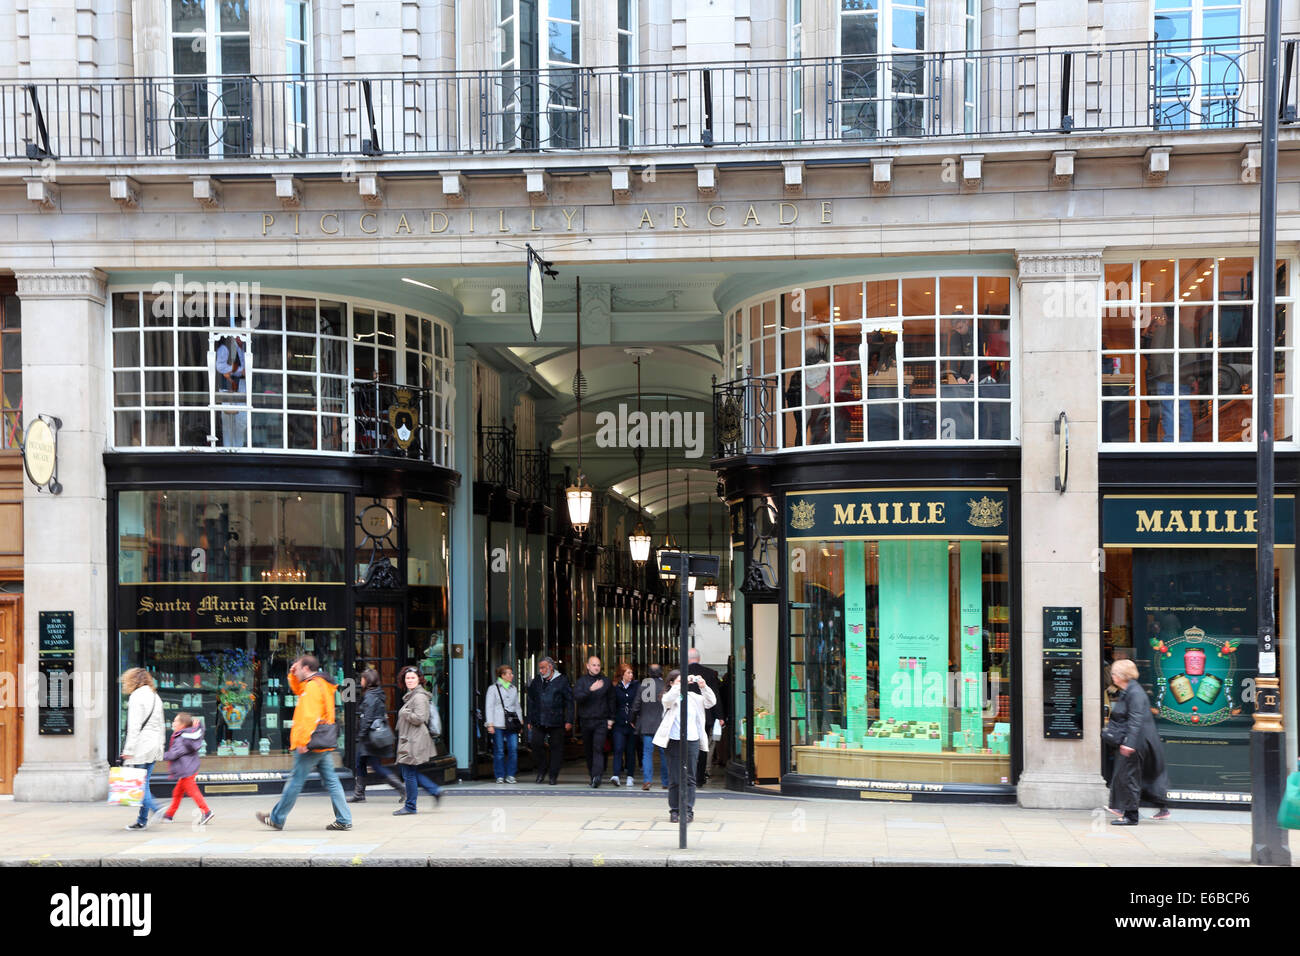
{"x": 1143, "y": 87}
{"x": 395, "y": 421}
{"x": 745, "y": 417}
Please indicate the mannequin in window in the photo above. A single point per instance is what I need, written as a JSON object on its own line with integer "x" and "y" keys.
{"x": 231, "y": 380}
{"x": 817, "y": 391}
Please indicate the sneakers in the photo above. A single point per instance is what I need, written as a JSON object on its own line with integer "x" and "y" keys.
{"x": 1162, "y": 814}
{"x": 646, "y": 785}
{"x": 511, "y": 780}
{"x": 674, "y": 816}
{"x": 501, "y": 779}
{"x": 614, "y": 778}
{"x": 137, "y": 826}
{"x": 402, "y": 812}
{"x": 339, "y": 826}
{"x": 265, "y": 820}
{"x": 205, "y": 819}
{"x": 167, "y": 819}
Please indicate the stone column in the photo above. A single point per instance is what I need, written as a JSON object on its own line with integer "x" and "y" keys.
{"x": 1059, "y": 369}
{"x": 461, "y": 572}
{"x": 65, "y": 557}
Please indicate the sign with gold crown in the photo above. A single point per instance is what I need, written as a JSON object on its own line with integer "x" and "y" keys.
{"x": 952, "y": 513}
{"x": 985, "y": 513}
{"x": 802, "y": 515}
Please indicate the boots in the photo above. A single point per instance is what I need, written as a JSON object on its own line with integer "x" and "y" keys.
{"x": 396, "y": 782}
{"x": 358, "y": 790}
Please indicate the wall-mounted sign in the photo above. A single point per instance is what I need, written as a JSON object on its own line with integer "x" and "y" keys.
{"x": 1221, "y": 521}
{"x": 1062, "y": 629}
{"x": 240, "y": 606}
{"x": 1063, "y": 695}
{"x": 55, "y": 631}
{"x": 40, "y": 452}
{"x": 404, "y": 418}
{"x": 901, "y": 513}
{"x": 536, "y": 267}
{"x": 1062, "y": 431}
{"x": 55, "y": 716}
{"x": 377, "y": 521}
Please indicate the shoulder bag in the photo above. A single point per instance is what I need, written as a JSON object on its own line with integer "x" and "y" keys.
{"x": 513, "y": 724}
{"x": 380, "y": 737}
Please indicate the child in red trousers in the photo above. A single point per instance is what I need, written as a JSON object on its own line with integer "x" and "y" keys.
{"x": 183, "y": 752}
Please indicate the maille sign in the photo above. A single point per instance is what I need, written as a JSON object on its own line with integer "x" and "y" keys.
{"x": 911, "y": 513}
{"x": 1221, "y": 521}
{"x": 241, "y": 606}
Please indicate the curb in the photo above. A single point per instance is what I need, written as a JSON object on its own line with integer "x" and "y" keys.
{"x": 568, "y": 860}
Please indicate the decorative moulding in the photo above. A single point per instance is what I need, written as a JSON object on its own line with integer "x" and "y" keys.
{"x": 882, "y": 174}
{"x": 620, "y": 181}
{"x": 537, "y": 183}
{"x": 453, "y": 185}
{"x": 287, "y": 191}
{"x": 124, "y": 191}
{"x": 972, "y": 170}
{"x": 706, "y": 179}
{"x": 1058, "y": 265}
{"x": 1063, "y": 167}
{"x": 207, "y": 193}
{"x": 62, "y": 284}
{"x": 1156, "y": 164}
{"x": 43, "y": 193}
{"x": 793, "y": 177}
{"x": 371, "y": 190}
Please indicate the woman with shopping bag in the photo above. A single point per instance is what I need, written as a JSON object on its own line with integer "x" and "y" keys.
{"x": 145, "y": 737}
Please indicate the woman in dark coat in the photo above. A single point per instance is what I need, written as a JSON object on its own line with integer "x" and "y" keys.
{"x": 373, "y": 707}
{"x": 1140, "y": 761}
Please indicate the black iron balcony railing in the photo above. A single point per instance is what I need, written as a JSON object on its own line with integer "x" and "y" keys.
{"x": 393, "y": 420}
{"x": 1163, "y": 85}
{"x": 744, "y": 417}
{"x": 496, "y": 456}
{"x": 534, "y": 471}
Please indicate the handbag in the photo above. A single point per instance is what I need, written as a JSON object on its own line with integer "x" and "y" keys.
{"x": 513, "y": 724}
{"x": 1113, "y": 733}
{"x": 324, "y": 737}
{"x": 1288, "y": 813}
{"x": 126, "y": 786}
{"x": 380, "y": 736}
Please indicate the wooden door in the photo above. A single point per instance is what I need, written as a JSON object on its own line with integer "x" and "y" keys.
{"x": 11, "y": 687}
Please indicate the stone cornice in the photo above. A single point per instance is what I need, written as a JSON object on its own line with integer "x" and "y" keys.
{"x": 1047, "y": 266}
{"x": 62, "y": 284}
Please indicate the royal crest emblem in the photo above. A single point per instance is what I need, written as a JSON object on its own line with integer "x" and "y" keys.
{"x": 404, "y": 418}
{"x": 985, "y": 513}
{"x": 1194, "y": 635}
{"x": 730, "y": 419}
{"x": 802, "y": 515}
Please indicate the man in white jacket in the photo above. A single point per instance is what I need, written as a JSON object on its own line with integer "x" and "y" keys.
{"x": 669, "y": 736}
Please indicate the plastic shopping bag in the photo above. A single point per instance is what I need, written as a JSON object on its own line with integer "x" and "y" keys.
{"x": 1288, "y": 814}
{"x": 126, "y": 786}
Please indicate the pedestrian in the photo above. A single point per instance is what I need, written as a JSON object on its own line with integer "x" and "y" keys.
{"x": 669, "y": 736}
{"x": 594, "y": 697}
{"x": 183, "y": 752}
{"x": 550, "y": 718}
{"x": 717, "y": 712}
{"x": 1140, "y": 763}
{"x": 313, "y": 717}
{"x": 647, "y": 714}
{"x": 624, "y": 729}
{"x": 504, "y": 721}
{"x": 374, "y": 706}
{"x": 144, "y": 736}
{"x": 415, "y": 746}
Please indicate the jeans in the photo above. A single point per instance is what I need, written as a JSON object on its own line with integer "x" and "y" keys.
{"x": 147, "y": 805}
{"x": 414, "y": 781}
{"x": 505, "y": 753}
{"x": 303, "y": 764}
{"x": 373, "y": 761}
{"x": 593, "y": 745}
{"x": 648, "y": 749}
{"x": 624, "y": 751}
{"x": 1167, "y": 413}
{"x": 673, "y": 754}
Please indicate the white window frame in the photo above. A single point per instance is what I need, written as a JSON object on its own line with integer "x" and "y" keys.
{"x": 628, "y": 116}
{"x": 794, "y": 53}
{"x": 212, "y": 38}
{"x": 302, "y": 135}
{"x": 1135, "y": 304}
{"x": 884, "y": 57}
{"x": 1192, "y": 58}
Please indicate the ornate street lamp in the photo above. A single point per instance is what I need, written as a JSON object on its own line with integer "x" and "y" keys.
{"x": 578, "y": 496}
{"x": 722, "y": 607}
{"x": 670, "y": 543}
{"x": 638, "y": 542}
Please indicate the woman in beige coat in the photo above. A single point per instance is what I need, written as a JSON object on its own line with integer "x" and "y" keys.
{"x": 414, "y": 745}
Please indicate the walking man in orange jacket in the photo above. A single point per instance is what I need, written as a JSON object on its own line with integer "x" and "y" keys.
{"x": 315, "y": 706}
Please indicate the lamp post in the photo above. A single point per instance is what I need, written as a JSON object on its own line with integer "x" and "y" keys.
{"x": 1268, "y": 842}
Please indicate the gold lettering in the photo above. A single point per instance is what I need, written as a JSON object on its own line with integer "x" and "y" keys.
{"x": 501, "y": 221}
{"x": 916, "y": 513}
{"x": 709, "y": 215}
{"x": 267, "y": 220}
{"x": 1212, "y": 522}
{"x": 568, "y": 218}
{"x": 826, "y": 210}
{"x": 646, "y": 218}
{"x": 1232, "y": 522}
{"x": 780, "y": 213}
{"x": 898, "y": 512}
{"x": 1176, "y": 522}
{"x": 402, "y": 224}
{"x": 751, "y": 215}
{"x": 936, "y": 512}
{"x": 1149, "y": 522}
{"x": 362, "y": 223}
{"x": 1252, "y": 518}
{"x": 866, "y": 516}
{"x": 533, "y": 227}
{"x": 844, "y": 515}
{"x": 433, "y": 229}
{"x": 1196, "y": 521}
{"x": 329, "y": 232}
{"x": 679, "y": 217}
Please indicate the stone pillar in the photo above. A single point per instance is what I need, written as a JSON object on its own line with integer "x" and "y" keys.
{"x": 461, "y": 571}
{"x": 65, "y": 557}
{"x": 1059, "y": 369}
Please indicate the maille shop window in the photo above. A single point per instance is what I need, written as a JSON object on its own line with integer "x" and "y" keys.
{"x": 1187, "y": 325}
{"x": 11, "y": 371}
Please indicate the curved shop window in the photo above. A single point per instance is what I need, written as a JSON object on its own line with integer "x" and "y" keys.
{"x": 218, "y": 592}
{"x": 925, "y": 359}
{"x": 231, "y": 366}
{"x": 900, "y": 636}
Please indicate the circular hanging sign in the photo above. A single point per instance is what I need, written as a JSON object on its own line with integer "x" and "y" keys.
{"x": 38, "y": 452}
{"x": 376, "y": 521}
{"x": 535, "y": 296}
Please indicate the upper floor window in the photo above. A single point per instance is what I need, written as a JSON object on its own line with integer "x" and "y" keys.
{"x": 627, "y": 52}
{"x": 297, "y": 50}
{"x": 11, "y": 371}
{"x": 1187, "y": 324}
{"x": 883, "y": 72}
{"x": 888, "y": 360}
{"x": 795, "y": 44}
{"x": 1199, "y": 68}
{"x": 540, "y": 50}
{"x": 233, "y": 368}
{"x": 212, "y": 109}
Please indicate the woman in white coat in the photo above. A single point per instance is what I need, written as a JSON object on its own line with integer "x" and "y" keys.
{"x": 669, "y": 737}
{"x": 145, "y": 739}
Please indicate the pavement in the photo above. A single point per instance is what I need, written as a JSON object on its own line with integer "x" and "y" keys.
{"x": 571, "y": 825}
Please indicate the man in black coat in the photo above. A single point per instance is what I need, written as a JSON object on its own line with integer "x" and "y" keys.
{"x": 717, "y": 712}
{"x": 550, "y": 717}
{"x": 594, "y": 695}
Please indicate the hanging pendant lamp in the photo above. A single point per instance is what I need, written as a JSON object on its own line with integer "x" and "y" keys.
{"x": 578, "y": 496}
{"x": 638, "y": 542}
{"x": 669, "y": 545}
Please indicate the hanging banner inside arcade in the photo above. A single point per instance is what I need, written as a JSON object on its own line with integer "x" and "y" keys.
{"x": 1195, "y": 650}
